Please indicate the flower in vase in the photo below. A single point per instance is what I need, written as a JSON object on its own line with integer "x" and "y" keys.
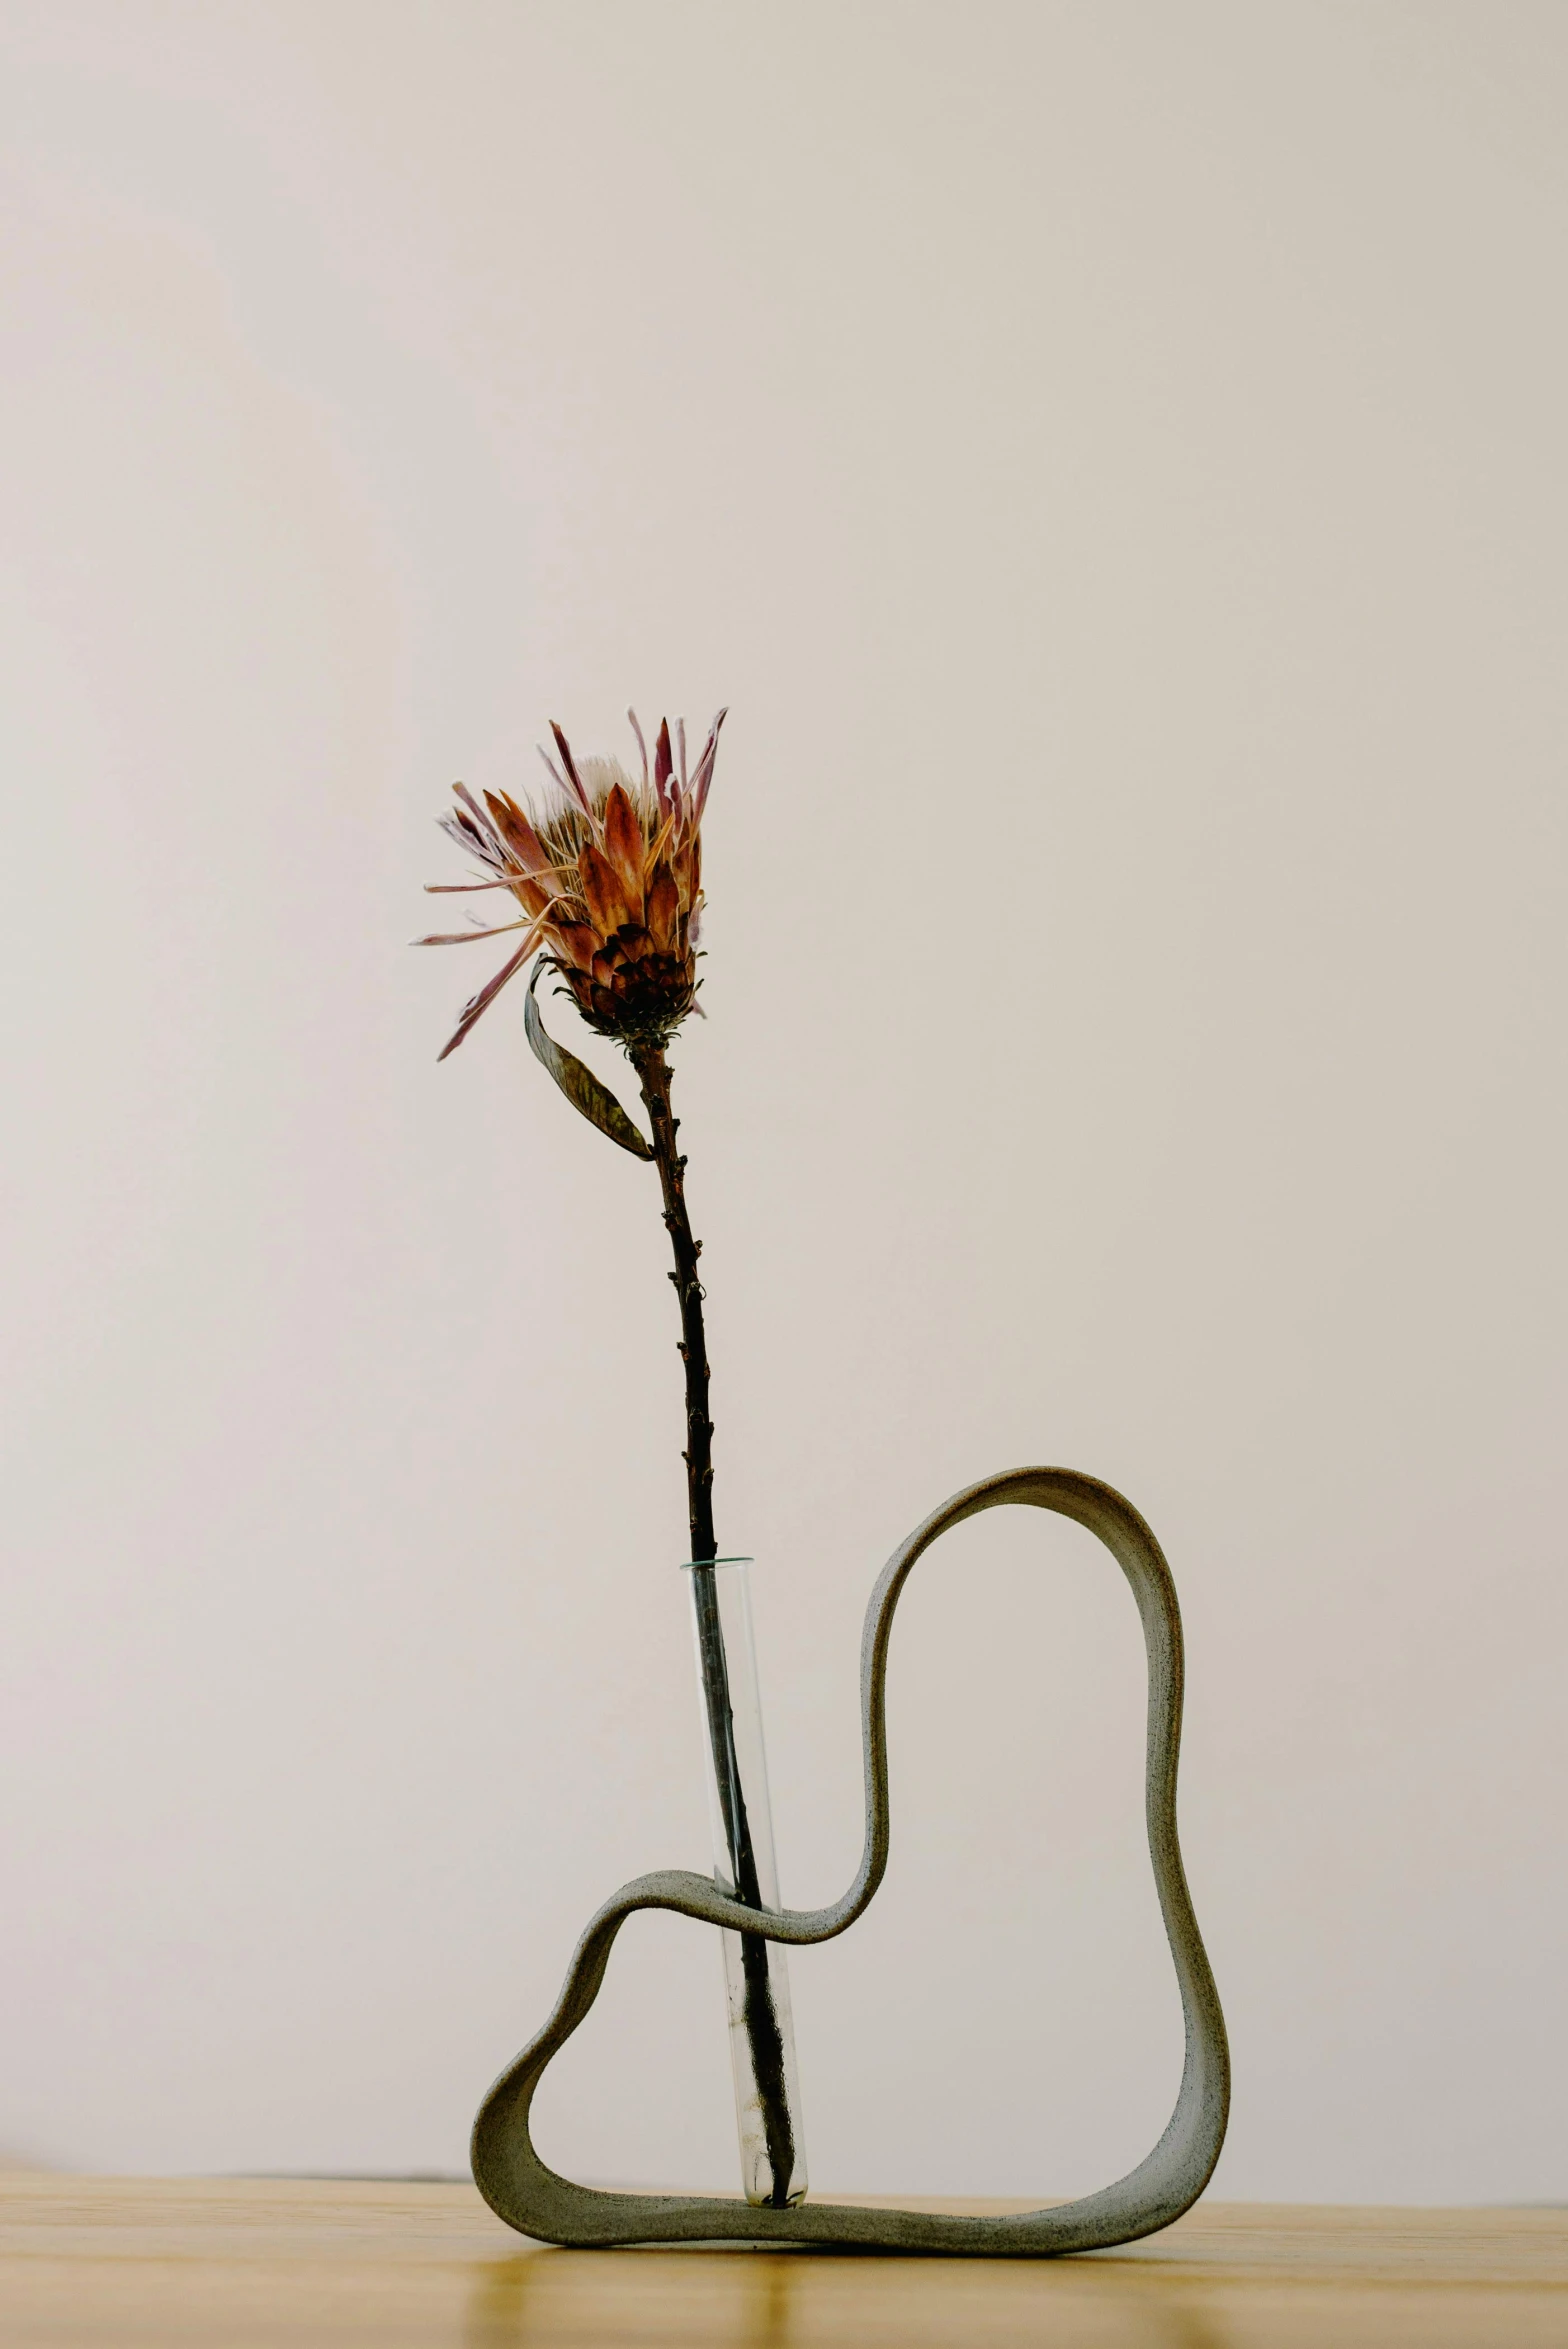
{"x": 608, "y": 878}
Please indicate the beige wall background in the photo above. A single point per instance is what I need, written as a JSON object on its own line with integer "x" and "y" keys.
{"x": 1110, "y": 460}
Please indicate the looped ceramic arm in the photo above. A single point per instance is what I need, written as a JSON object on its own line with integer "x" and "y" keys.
{"x": 520, "y": 2189}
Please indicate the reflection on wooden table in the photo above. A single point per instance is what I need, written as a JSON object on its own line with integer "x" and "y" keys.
{"x": 252, "y": 2263}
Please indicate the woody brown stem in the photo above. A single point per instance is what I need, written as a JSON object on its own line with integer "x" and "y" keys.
{"x": 653, "y": 1074}
{"x": 762, "y": 2025}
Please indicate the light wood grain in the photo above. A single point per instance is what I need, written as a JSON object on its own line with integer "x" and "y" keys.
{"x": 253, "y": 2263}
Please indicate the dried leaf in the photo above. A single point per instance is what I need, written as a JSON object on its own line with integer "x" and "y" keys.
{"x": 578, "y": 1082}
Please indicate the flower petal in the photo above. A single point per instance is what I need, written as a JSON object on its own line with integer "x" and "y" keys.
{"x": 664, "y": 909}
{"x": 686, "y": 865}
{"x": 473, "y": 833}
{"x": 567, "y": 761}
{"x": 606, "y": 900}
{"x": 476, "y": 819}
{"x": 624, "y": 845}
{"x": 478, "y": 1004}
{"x": 466, "y": 937}
{"x": 704, "y": 776}
{"x": 518, "y": 833}
{"x": 656, "y": 847}
{"x": 574, "y": 943}
{"x": 641, "y": 745}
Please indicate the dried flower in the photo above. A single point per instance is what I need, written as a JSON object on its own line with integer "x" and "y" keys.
{"x": 609, "y": 885}
{"x": 609, "y": 879}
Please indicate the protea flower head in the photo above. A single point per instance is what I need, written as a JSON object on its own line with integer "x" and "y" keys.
{"x": 609, "y": 880}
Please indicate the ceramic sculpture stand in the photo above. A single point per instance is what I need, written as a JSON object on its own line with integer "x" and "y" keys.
{"x": 520, "y": 2189}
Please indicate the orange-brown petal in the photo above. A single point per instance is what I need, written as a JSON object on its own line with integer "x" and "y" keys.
{"x": 663, "y": 834}
{"x": 664, "y": 908}
{"x": 624, "y": 844}
{"x": 602, "y": 891}
{"x": 687, "y": 866}
{"x": 575, "y": 942}
{"x": 518, "y": 833}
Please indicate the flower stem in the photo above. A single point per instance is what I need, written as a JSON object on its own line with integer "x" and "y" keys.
{"x": 761, "y": 2019}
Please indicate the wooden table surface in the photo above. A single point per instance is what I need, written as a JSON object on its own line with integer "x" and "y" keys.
{"x": 250, "y": 2263}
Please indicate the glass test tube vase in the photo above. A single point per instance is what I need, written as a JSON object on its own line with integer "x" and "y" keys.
{"x": 756, "y": 1976}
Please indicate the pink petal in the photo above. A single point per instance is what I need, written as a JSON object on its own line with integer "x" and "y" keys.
{"x": 565, "y": 749}
{"x": 641, "y": 745}
{"x": 463, "y": 937}
{"x": 703, "y": 778}
{"x": 478, "y": 1004}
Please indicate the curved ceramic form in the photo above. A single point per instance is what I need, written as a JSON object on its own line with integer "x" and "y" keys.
{"x": 520, "y": 2189}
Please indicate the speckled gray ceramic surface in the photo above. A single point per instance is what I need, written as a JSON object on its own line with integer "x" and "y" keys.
{"x": 520, "y": 2189}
